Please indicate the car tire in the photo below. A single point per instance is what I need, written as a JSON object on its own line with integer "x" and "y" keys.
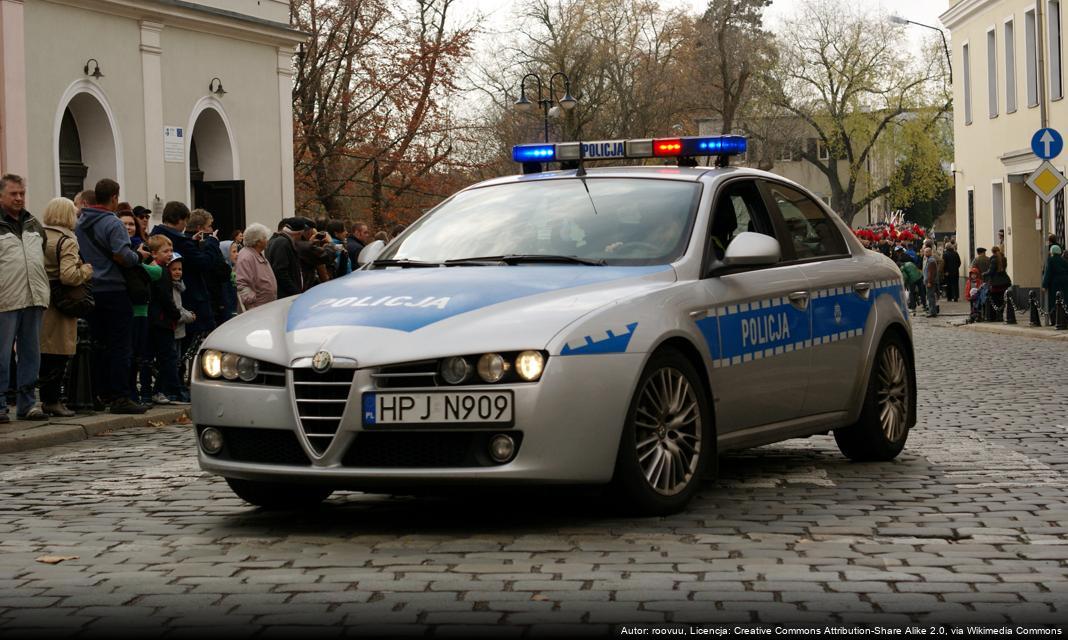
{"x": 277, "y": 495}
{"x": 664, "y": 454}
{"x": 889, "y": 407}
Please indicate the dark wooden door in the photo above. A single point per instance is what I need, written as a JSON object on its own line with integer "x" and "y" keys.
{"x": 225, "y": 201}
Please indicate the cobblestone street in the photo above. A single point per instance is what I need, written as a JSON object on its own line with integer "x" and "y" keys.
{"x": 969, "y": 524}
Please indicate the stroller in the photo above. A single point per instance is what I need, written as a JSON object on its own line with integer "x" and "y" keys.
{"x": 978, "y": 297}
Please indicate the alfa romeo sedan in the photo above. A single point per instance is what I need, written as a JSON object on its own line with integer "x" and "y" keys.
{"x": 617, "y": 326}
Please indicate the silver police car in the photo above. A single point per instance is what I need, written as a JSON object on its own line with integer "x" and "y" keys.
{"x": 596, "y": 326}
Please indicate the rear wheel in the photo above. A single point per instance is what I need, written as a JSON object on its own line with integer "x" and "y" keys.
{"x": 277, "y": 495}
{"x": 667, "y": 442}
{"x": 884, "y": 422}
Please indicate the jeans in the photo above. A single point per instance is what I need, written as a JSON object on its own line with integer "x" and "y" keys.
{"x": 53, "y": 376}
{"x": 142, "y": 361}
{"x": 21, "y": 329}
{"x": 932, "y": 301}
{"x": 165, "y": 351}
{"x": 110, "y": 324}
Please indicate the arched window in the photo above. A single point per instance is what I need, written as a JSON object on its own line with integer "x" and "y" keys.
{"x": 72, "y": 170}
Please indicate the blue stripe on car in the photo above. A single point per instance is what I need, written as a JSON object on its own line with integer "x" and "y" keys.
{"x": 614, "y": 343}
{"x": 410, "y": 299}
{"x": 766, "y": 328}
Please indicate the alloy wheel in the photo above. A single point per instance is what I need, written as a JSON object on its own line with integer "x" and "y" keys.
{"x": 668, "y": 431}
{"x": 892, "y": 393}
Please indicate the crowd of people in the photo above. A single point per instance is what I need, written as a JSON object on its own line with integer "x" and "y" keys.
{"x": 932, "y": 270}
{"x": 148, "y": 296}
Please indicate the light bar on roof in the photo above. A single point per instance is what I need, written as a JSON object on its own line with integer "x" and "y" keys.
{"x": 534, "y": 152}
{"x": 684, "y": 147}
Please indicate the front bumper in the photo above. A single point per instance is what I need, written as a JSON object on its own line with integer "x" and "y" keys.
{"x": 569, "y": 423}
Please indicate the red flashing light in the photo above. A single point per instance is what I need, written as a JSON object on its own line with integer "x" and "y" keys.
{"x": 669, "y": 147}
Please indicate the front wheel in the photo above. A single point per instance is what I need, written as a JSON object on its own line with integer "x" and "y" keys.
{"x": 667, "y": 440}
{"x": 888, "y": 410}
{"x": 277, "y": 495}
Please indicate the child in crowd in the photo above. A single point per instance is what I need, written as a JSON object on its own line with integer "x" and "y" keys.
{"x": 975, "y": 293}
{"x": 184, "y": 317}
{"x": 163, "y": 317}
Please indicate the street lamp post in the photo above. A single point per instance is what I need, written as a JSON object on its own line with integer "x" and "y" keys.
{"x": 568, "y": 102}
{"x": 945, "y": 45}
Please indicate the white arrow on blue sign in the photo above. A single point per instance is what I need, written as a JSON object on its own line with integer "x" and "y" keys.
{"x": 1047, "y": 143}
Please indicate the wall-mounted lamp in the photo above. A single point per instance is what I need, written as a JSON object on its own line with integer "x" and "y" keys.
{"x": 96, "y": 68}
{"x": 215, "y": 86}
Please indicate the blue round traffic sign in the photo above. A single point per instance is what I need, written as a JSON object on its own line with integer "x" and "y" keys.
{"x": 1047, "y": 143}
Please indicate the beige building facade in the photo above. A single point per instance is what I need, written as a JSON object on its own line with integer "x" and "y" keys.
{"x": 1007, "y": 68}
{"x": 175, "y": 99}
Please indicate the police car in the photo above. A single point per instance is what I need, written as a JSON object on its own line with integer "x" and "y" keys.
{"x": 584, "y": 326}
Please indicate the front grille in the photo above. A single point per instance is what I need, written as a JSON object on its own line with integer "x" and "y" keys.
{"x": 423, "y": 449}
{"x": 270, "y": 375}
{"x": 413, "y": 374}
{"x": 264, "y": 446}
{"x": 321, "y": 400}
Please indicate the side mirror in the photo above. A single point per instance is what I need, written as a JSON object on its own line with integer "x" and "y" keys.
{"x": 370, "y": 252}
{"x": 749, "y": 249}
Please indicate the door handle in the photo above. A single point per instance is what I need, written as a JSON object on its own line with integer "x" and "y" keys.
{"x": 862, "y": 289}
{"x": 799, "y": 299}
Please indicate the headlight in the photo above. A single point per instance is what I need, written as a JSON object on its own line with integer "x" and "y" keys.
{"x": 529, "y": 365}
{"x": 492, "y": 367}
{"x": 211, "y": 363}
{"x": 247, "y": 369}
{"x": 229, "y": 366}
{"x": 455, "y": 370}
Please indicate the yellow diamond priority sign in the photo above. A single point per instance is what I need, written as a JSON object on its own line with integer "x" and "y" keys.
{"x": 1046, "y": 181}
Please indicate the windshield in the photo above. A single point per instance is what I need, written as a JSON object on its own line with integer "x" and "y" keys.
{"x": 622, "y": 221}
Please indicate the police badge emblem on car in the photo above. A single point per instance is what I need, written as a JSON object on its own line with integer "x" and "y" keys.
{"x": 322, "y": 361}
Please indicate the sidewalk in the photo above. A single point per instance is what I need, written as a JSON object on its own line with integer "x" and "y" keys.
{"x": 955, "y": 314}
{"x": 23, "y": 435}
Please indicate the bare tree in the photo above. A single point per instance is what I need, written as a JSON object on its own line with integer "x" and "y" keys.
{"x": 370, "y": 97}
{"x": 850, "y": 78}
{"x": 731, "y": 46}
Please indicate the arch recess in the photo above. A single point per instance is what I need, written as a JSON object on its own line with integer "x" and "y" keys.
{"x": 217, "y": 149}
{"x": 98, "y": 132}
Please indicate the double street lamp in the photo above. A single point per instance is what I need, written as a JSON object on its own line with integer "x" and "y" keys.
{"x": 568, "y": 102}
{"x": 895, "y": 19}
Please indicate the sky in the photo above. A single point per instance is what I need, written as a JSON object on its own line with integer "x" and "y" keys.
{"x": 498, "y": 12}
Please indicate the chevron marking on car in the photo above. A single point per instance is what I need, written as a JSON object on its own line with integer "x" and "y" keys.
{"x": 611, "y": 341}
{"x": 765, "y": 328}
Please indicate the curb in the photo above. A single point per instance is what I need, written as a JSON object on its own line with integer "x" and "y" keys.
{"x": 1039, "y": 333}
{"x": 19, "y": 436}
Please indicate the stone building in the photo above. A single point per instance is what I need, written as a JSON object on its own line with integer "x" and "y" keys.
{"x": 176, "y": 99}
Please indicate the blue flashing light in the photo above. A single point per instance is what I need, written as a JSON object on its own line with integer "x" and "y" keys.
{"x": 714, "y": 146}
{"x": 534, "y": 152}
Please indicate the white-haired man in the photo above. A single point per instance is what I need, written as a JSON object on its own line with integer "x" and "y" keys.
{"x": 24, "y": 295}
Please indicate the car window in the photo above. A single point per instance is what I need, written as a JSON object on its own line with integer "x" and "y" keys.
{"x": 739, "y": 208}
{"x": 623, "y": 221}
{"x": 810, "y": 230}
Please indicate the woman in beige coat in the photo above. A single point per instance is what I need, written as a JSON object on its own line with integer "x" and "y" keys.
{"x": 59, "y": 332}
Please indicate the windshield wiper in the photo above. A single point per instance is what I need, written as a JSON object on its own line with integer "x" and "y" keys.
{"x": 404, "y": 262}
{"x": 526, "y": 258}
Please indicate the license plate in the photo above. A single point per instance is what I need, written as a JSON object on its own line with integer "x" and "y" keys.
{"x": 438, "y": 408}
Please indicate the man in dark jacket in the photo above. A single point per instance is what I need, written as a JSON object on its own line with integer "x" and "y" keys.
{"x": 359, "y": 238}
{"x": 105, "y": 244}
{"x": 314, "y": 252}
{"x": 218, "y": 272}
{"x": 951, "y": 271}
{"x": 282, "y": 255}
{"x": 197, "y": 263}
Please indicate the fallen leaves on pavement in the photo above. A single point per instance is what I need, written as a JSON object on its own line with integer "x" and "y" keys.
{"x": 54, "y": 559}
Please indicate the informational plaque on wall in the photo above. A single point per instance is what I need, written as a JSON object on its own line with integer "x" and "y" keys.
{"x": 174, "y": 144}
